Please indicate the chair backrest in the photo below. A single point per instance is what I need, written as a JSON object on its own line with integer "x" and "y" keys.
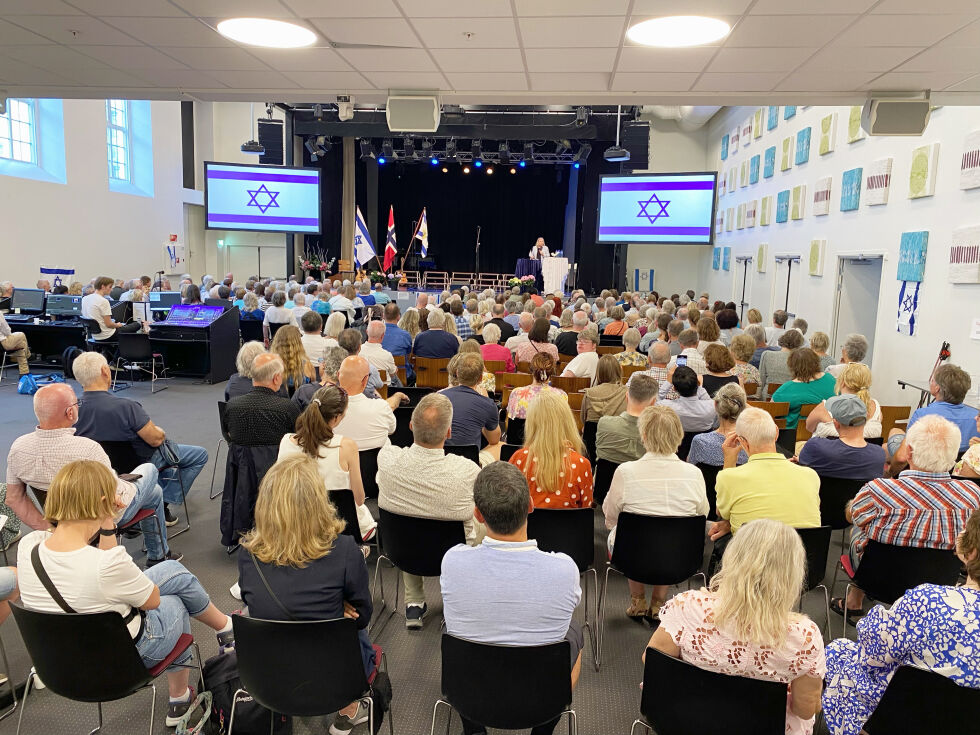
{"x": 343, "y": 501}
{"x": 685, "y": 448}
{"x": 414, "y": 394}
{"x": 400, "y": 362}
{"x": 417, "y": 545}
{"x": 802, "y": 433}
{"x": 87, "y": 657}
{"x": 658, "y": 549}
{"x": 300, "y": 668}
{"x": 778, "y": 411}
{"x": 751, "y": 389}
{"x": 431, "y": 372}
{"x": 493, "y": 685}
{"x": 835, "y": 494}
{"x": 571, "y": 385}
{"x": 515, "y": 431}
{"x": 589, "y": 438}
{"x": 676, "y": 693}
{"x": 275, "y": 327}
{"x": 223, "y": 420}
{"x": 122, "y": 456}
{"x": 470, "y": 451}
{"x": 402, "y": 436}
{"x": 135, "y": 346}
{"x": 608, "y": 347}
{"x": 569, "y": 531}
{"x": 710, "y": 473}
{"x": 890, "y": 415}
{"x": 771, "y": 388}
{"x": 816, "y": 543}
{"x": 92, "y": 328}
{"x": 515, "y": 380}
{"x": 628, "y": 371}
{"x": 918, "y": 700}
{"x": 251, "y": 330}
{"x": 507, "y": 451}
{"x": 886, "y": 572}
{"x": 369, "y": 471}
{"x": 495, "y": 366}
{"x": 524, "y": 367}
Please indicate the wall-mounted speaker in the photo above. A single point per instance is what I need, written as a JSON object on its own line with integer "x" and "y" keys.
{"x": 412, "y": 113}
{"x": 271, "y": 138}
{"x": 895, "y": 115}
{"x": 636, "y": 139}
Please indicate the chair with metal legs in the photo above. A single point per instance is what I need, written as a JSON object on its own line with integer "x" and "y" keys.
{"x": 816, "y": 543}
{"x": 10, "y": 682}
{"x": 222, "y": 407}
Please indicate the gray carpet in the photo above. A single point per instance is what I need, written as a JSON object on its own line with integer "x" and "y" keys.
{"x": 606, "y": 702}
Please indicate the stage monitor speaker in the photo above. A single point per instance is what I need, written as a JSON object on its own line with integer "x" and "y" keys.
{"x": 412, "y": 113}
{"x": 636, "y": 139}
{"x": 271, "y": 137}
{"x": 457, "y": 287}
{"x": 895, "y": 115}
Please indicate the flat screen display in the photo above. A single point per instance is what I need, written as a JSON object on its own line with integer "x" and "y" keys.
{"x": 28, "y": 300}
{"x": 193, "y": 315}
{"x": 261, "y": 198}
{"x": 163, "y": 300}
{"x": 63, "y": 305}
{"x": 657, "y": 208}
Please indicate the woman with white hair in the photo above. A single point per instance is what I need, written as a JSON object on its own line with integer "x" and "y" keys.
{"x": 240, "y": 383}
{"x": 491, "y": 349}
{"x": 336, "y": 323}
{"x": 629, "y": 356}
{"x": 744, "y": 623}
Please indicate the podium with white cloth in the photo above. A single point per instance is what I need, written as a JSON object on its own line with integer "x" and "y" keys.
{"x": 555, "y": 273}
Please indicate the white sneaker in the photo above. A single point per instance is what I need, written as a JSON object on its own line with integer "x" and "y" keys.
{"x": 38, "y": 684}
{"x": 236, "y": 591}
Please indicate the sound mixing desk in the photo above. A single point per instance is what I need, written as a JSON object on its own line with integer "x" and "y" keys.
{"x": 198, "y": 340}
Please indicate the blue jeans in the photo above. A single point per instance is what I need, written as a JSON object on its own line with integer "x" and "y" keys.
{"x": 181, "y": 598}
{"x": 192, "y": 461}
{"x": 149, "y": 495}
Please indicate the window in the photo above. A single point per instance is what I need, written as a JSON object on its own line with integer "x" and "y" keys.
{"x": 118, "y": 139}
{"x": 18, "y": 139}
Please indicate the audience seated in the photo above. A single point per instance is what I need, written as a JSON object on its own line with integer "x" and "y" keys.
{"x": 923, "y": 507}
{"x": 475, "y": 415}
{"x": 773, "y": 367}
{"x": 689, "y": 355}
{"x": 16, "y": 344}
{"x": 742, "y": 348}
{"x": 819, "y": 343}
{"x": 657, "y": 484}
{"x": 313, "y": 340}
{"x": 854, "y": 349}
{"x": 658, "y": 358}
{"x": 854, "y": 379}
{"x": 396, "y": 340}
{"x": 567, "y": 339}
{"x": 719, "y": 365}
{"x": 727, "y": 320}
{"x": 615, "y": 323}
{"x": 368, "y": 421}
{"x": 240, "y": 383}
{"x": 607, "y": 396}
{"x": 277, "y": 313}
{"x": 423, "y": 481}
{"x": 351, "y": 340}
{"x": 618, "y": 437}
{"x": 584, "y": 364}
{"x": 250, "y": 309}
{"x": 744, "y": 623}
{"x": 729, "y": 401}
{"x": 543, "y": 369}
{"x": 758, "y": 335}
{"x": 82, "y": 563}
{"x": 553, "y": 456}
{"x": 524, "y": 324}
{"x": 629, "y": 356}
{"x": 537, "y": 341}
{"x": 288, "y": 345}
{"x": 436, "y": 342}
{"x": 708, "y": 334}
{"x": 470, "y": 346}
{"x": 778, "y": 328}
{"x": 692, "y": 404}
{"x": 493, "y": 595}
{"x": 846, "y": 454}
{"x": 297, "y": 564}
{"x": 374, "y": 352}
{"x": 96, "y": 306}
{"x": 808, "y": 385}
{"x": 262, "y": 416}
{"x": 330, "y": 362}
{"x": 491, "y": 349}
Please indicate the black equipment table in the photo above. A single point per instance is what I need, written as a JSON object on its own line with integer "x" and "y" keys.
{"x": 206, "y": 352}
{"x": 49, "y": 339}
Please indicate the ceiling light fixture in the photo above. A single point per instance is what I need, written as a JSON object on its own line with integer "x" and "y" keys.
{"x": 266, "y": 32}
{"x": 674, "y": 31}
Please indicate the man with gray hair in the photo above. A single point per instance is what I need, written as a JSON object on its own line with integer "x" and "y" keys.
{"x": 525, "y": 322}
{"x": 436, "y": 342}
{"x": 423, "y": 481}
{"x": 566, "y": 341}
{"x": 617, "y": 437}
{"x": 854, "y": 349}
{"x": 374, "y": 353}
{"x": 262, "y": 417}
{"x": 499, "y": 313}
{"x": 773, "y": 333}
{"x": 756, "y": 332}
{"x": 657, "y": 359}
{"x": 689, "y": 355}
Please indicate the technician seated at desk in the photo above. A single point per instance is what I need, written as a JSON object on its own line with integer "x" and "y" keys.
{"x": 96, "y": 306}
{"x": 16, "y": 344}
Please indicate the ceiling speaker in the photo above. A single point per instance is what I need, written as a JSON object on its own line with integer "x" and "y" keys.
{"x": 895, "y": 115}
{"x": 413, "y": 113}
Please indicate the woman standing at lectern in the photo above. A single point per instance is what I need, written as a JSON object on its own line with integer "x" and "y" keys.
{"x": 539, "y": 250}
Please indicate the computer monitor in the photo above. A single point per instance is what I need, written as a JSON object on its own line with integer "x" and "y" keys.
{"x": 193, "y": 315}
{"x": 28, "y": 300}
{"x": 63, "y": 305}
{"x": 223, "y": 303}
{"x": 141, "y": 311}
{"x": 163, "y": 300}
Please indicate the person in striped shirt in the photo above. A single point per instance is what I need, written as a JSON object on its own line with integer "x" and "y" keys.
{"x": 923, "y": 507}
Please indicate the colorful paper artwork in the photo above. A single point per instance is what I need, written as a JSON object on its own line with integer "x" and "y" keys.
{"x": 729, "y": 219}
{"x": 732, "y": 184}
{"x": 726, "y": 258}
{"x": 733, "y": 141}
{"x": 720, "y": 222}
{"x": 821, "y": 196}
{"x": 878, "y": 182}
{"x": 769, "y": 167}
{"x": 765, "y": 211}
{"x": 762, "y": 257}
{"x": 721, "y": 185}
{"x": 746, "y": 135}
{"x": 922, "y": 172}
{"x": 751, "y": 208}
{"x": 754, "y": 169}
{"x": 757, "y": 121}
{"x": 964, "y": 256}
{"x": 912, "y": 256}
{"x": 850, "y": 189}
{"x": 828, "y": 133}
{"x": 908, "y": 307}
{"x": 782, "y": 206}
{"x": 789, "y": 112}
{"x": 818, "y": 253}
{"x": 970, "y": 162}
{"x": 743, "y": 177}
{"x": 716, "y": 259}
{"x": 786, "y": 154}
{"x": 740, "y": 217}
{"x": 724, "y": 147}
{"x": 803, "y": 146}
{"x": 773, "y": 117}
{"x": 797, "y": 208}
{"x": 854, "y": 130}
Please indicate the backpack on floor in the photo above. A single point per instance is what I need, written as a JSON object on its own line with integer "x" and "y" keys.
{"x": 251, "y": 718}
{"x": 67, "y": 358}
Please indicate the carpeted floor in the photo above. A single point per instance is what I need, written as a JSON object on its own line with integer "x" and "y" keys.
{"x": 606, "y": 702}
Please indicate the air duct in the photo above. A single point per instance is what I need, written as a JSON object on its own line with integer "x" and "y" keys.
{"x": 688, "y": 117}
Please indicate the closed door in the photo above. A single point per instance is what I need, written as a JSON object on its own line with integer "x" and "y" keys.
{"x": 858, "y": 287}
{"x": 743, "y": 286}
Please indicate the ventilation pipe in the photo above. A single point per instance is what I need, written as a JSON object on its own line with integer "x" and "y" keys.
{"x": 689, "y": 118}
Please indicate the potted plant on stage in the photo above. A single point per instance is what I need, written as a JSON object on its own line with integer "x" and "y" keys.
{"x": 527, "y": 283}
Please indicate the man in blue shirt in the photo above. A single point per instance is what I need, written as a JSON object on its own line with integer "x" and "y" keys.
{"x": 849, "y": 455}
{"x": 396, "y": 340}
{"x": 475, "y": 415}
{"x": 380, "y": 297}
{"x": 435, "y": 342}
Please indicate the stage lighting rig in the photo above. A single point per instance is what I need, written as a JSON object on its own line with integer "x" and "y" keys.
{"x": 582, "y": 116}
{"x": 476, "y": 148}
{"x": 582, "y": 154}
{"x": 528, "y": 156}
{"x": 504, "y": 152}
{"x": 409, "y": 146}
{"x": 451, "y": 149}
{"x": 367, "y": 150}
{"x": 387, "y": 149}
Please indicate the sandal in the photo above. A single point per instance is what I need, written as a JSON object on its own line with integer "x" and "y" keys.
{"x": 837, "y": 605}
{"x": 637, "y": 609}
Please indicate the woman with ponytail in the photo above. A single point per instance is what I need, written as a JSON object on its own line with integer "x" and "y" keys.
{"x": 855, "y": 379}
{"x": 543, "y": 369}
{"x": 336, "y": 457}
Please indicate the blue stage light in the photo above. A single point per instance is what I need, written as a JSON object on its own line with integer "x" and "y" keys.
{"x": 434, "y": 161}
{"x": 577, "y": 165}
{"x": 522, "y": 164}
{"x": 478, "y": 163}
{"x": 381, "y": 160}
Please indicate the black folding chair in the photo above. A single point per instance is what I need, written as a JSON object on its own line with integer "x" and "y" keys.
{"x": 506, "y": 687}
{"x": 402, "y": 436}
{"x": 589, "y": 429}
{"x": 282, "y": 666}
{"x": 251, "y": 330}
{"x": 679, "y": 698}
{"x": 369, "y": 471}
{"x": 922, "y": 701}
{"x": 470, "y": 451}
{"x": 655, "y": 550}
{"x": 710, "y": 473}
{"x": 275, "y": 327}
{"x": 604, "y": 471}
{"x": 111, "y": 667}
{"x": 135, "y": 353}
{"x": 223, "y": 425}
{"x": 571, "y": 532}
{"x": 515, "y": 431}
{"x": 508, "y": 450}
{"x": 684, "y": 449}
{"x": 816, "y": 543}
{"x": 343, "y": 501}
{"x": 835, "y": 494}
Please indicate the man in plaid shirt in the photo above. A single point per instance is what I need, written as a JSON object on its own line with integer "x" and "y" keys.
{"x": 923, "y": 507}
{"x": 463, "y": 329}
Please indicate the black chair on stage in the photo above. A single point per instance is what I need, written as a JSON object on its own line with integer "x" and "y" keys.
{"x": 816, "y": 543}
{"x": 281, "y": 665}
{"x": 470, "y": 451}
{"x": 655, "y": 550}
{"x": 251, "y": 330}
{"x": 111, "y": 667}
{"x": 604, "y": 471}
{"x": 571, "y": 532}
{"x": 921, "y": 701}
{"x": 507, "y": 451}
{"x": 676, "y": 696}
{"x": 515, "y": 431}
{"x": 489, "y": 685}
{"x": 369, "y": 471}
{"x": 402, "y": 436}
{"x": 589, "y": 438}
{"x": 135, "y": 353}
{"x": 710, "y": 473}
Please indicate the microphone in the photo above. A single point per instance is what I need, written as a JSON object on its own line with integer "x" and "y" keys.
{"x": 160, "y": 273}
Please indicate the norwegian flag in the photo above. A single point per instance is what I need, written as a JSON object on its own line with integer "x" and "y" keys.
{"x": 391, "y": 249}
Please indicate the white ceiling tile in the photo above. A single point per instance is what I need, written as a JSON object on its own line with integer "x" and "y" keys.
{"x": 144, "y": 8}
{"x": 222, "y": 9}
{"x": 861, "y": 58}
{"x": 759, "y": 59}
{"x": 75, "y": 30}
{"x": 683, "y": 7}
{"x": 901, "y": 30}
{"x": 374, "y": 31}
{"x": 450, "y": 32}
{"x": 132, "y": 57}
{"x": 653, "y": 81}
{"x": 915, "y": 80}
{"x": 55, "y": 58}
{"x": 531, "y": 8}
{"x": 824, "y": 80}
{"x": 788, "y": 30}
{"x": 968, "y": 36}
{"x": 456, "y": 8}
{"x": 807, "y": 7}
{"x": 642, "y": 58}
{"x": 588, "y": 82}
{"x": 477, "y": 60}
{"x": 179, "y": 78}
{"x": 944, "y": 58}
{"x": 328, "y": 79}
{"x": 36, "y": 7}
{"x": 918, "y": 7}
{"x": 599, "y": 31}
{"x": 488, "y": 82}
{"x": 20, "y": 73}
{"x": 406, "y": 81}
{"x": 971, "y": 84}
{"x": 170, "y": 31}
{"x": 570, "y": 60}
{"x": 105, "y": 78}
{"x": 363, "y": 9}
{"x": 738, "y": 82}
{"x": 400, "y": 59}
{"x": 214, "y": 58}
{"x": 11, "y": 35}
{"x": 301, "y": 59}
{"x": 251, "y": 79}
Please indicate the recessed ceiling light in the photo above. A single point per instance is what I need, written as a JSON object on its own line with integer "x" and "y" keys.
{"x": 266, "y": 32}
{"x": 678, "y": 30}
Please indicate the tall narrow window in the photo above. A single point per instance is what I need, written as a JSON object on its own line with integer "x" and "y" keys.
{"x": 18, "y": 134}
{"x": 118, "y": 139}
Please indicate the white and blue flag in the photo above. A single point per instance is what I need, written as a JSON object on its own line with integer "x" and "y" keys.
{"x": 422, "y": 233}
{"x": 363, "y": 247}
{"x": 262, "y": 198}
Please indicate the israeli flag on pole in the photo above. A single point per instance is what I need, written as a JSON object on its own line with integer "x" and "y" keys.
{"x": 423, "y": 234}
{"x": 363, "y": 247}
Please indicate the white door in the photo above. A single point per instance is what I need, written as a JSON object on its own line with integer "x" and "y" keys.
{"x": 858, "y": 286}
{"x": 744, "y": 271}
{"x": 786, "y": 286}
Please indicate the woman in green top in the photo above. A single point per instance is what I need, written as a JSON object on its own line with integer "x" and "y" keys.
{"x": 809, "y": 384}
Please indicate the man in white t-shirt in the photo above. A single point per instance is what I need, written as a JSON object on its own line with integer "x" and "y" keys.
{"x": 368, "y": 421}
{"x": 374, "y": 353}
{"x": 96, "y": 306}
{"x": 585, "y": 363}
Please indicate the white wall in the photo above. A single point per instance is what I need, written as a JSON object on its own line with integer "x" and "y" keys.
{"x": 83, "y": 225}
{"x": 945, "y": 311}
{"x": 675, "y": 266}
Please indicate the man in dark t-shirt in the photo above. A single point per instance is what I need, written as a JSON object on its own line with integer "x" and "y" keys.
{"x": 435, "y": 342}
{"x": 850, "y": 456}
{"x": 262, "y": 417}
{"x": 506, "y": 330}
{"x": 566, "y": 342}
{"x": 474, "y": 413}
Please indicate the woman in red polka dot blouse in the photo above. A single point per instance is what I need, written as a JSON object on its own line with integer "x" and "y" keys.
{"x": 558, "y": 475}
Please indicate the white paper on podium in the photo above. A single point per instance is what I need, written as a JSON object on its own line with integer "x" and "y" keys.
{"x": 554, "y": 271}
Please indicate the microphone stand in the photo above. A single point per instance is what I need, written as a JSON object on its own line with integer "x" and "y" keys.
{"x": 478, "y": 251}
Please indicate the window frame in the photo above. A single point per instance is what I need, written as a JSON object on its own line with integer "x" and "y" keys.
{"x": 31, "y": 123}
{"x": 127, "y": 132}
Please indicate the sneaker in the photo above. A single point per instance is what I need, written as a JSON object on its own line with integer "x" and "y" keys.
{"x": 169, "y": 518}
{"x": 176, "y": 710}
{"x": 637, "y": 609}
{"x": 171, "y": 556}
{"x": 414, "y": 615}
{"x": 236, "y": 591}
{"x": 342, "y": 724}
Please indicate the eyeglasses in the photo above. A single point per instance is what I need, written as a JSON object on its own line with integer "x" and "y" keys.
{"x": 77, "y": 404}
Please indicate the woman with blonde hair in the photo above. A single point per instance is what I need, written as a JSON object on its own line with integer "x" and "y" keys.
{"x": 753, "y": 316}
{"x": 607, "y": 396}
{"x": 93, "y": 574}
{"x": 820, "y": 343}
{"x": 543, "y": 369}
{"x": 288, "y": 344}
{"x": 743, "y": 350}
{"x": 552, "y": 459}
{"x": 855, "y": 379}
{"x": 476, "y": 324}
{"x": 299, "y": 552}
{"x": 410, "y": 322}
{"x": 693, "y": 316}
{"x": 336, "y": 323}
{"x": 75, "y": 288}
{"x": 748, "y": 608}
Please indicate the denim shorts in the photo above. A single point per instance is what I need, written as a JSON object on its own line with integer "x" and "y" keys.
{"x": 8, "y": 582}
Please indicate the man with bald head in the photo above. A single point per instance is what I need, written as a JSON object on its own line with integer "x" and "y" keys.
{"x": 37, "y": 457}
{"x": 367, "y": 421}
{"x": 262, "y": 417}
{"x": 377, "y": 355}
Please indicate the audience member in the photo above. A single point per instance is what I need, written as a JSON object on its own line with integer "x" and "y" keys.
{"x": 374, "y": 352}
{"x": 499, "y": 312}
{"x": 492, "y": 350}
{"x": 692, "y": 405}
{"x": 854, "y": 349}
{"x": 657, "y": 360}
{"x": 313, "y": 339}
{"x": 288, "y": 346}
{"x": 820, "y": 343}
{"x": 537, "y": 341}
{"x": 350, "y": 340}
{"x": 617, "y": 437}
{"x": 706, "y": 448}
{"x": 758, "y": 335}
{"x": 689, "y": 355}
{"x": 435, "y": 342}
{"x": 615, "y": 323}
{"x": 773, "y": 367}
{"x": 95, "y": 306}
{"x": 728, "y": 325}
{"x": 16, "y": 344}
{"x": 708, "y": 334}
{"x": 585, "y": 363}
{"x": 397, "y": 340}
{"x": 778, "y": 328}
{"x": 262, "y": 416}
{"x": 854, "y": 379}
{"x": 463, "y": 329}
{"x": 542, "y": 371}
{"x": 336, "y": 323}
{"x": 719, "y": 364}
{"x": 250, "y": 309}
{"x": 475, "y": 415}
{"x": 607, "y": 396}
{"x": 525, "y": 322}
{"x": 808, "y": 384}
{"x": 566, "y": 340}
{"x": 368, "y": 421}
{"x": 333, "y": 358}
{"x": 629, "y": 356}
{"x": 742, "y": 348}
{"x": 847, "y": 454}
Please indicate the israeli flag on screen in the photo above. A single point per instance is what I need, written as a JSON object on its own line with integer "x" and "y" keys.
{"x": 667, "y": 208}
{"x": 262, "y": 198}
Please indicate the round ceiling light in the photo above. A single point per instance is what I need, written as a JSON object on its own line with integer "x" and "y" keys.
{"x": 266, "y": 32}
{"x": 675, "y": 31}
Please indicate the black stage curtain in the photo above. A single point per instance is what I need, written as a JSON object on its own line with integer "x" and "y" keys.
{"x": 331, "y": 199}
{"x": 595, "y": 260}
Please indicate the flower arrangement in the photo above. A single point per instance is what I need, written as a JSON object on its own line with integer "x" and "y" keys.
{"x": 521, "y": 281}
{"x": 377, "y": 277}
{"x": 313, "y": 261}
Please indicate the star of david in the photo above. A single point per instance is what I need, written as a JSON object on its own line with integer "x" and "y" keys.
{"x": 907, "y": 303}
{"x": 653, "y": 200}
{"x": 357, "y": 240}
{"x": 254, "y": 193}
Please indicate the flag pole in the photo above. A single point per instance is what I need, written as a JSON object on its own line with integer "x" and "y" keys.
{"x": 411, "y": 244}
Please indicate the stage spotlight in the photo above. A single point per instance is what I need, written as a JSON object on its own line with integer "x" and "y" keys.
{"x": 367, "y": 150}
{"x": 317, "y": 147}
{"x": 581, "y": 116}
{"x": 445, "y": 170}
{"x": 478, "y": 163}
{"x": 504, "y": 152}
{"x": 582, "y": 154}
{"x": 466, "y": 169}
{"x": 410, "y": 148}
{"x": 311, "y": 147}
{"x": 576, "y": 165}
{"x": 387, "y": 149}
{"x": 513, "y": 170}
{"x": 324, "y": 143}
{"x": 489, "y": 170}
{"x": 522, "y": 164}
{"x": 528, "y": 152}
{"x": 476, "y": 148}
{"x": 451, "y": 148}
{"x": 381, "y": 160}
{"x": 434, "y": 161}
{"x": 427, "y": 149}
